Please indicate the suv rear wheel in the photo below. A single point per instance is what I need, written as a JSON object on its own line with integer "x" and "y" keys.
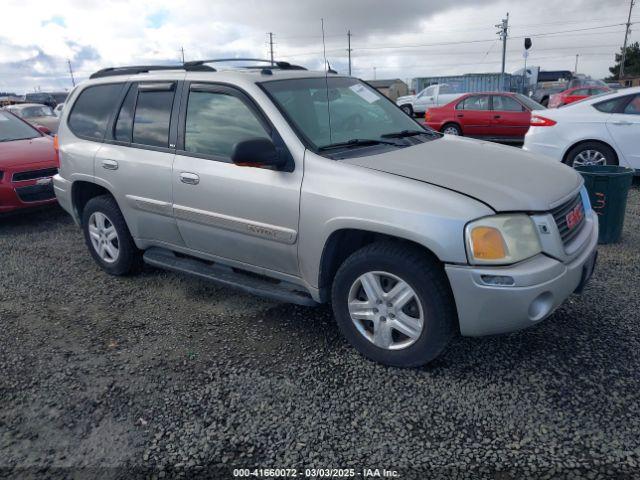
{"x": 394, "y": 305}
{"x": 108, "y": 238}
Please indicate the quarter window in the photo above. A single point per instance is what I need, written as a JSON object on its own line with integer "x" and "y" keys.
{"x": 92, "y": 110}
{"x": 633, "y": 107}
{"x": 152, "y": 117}
{"x": 216, "y": 121}
{"x": 124, "y": 123}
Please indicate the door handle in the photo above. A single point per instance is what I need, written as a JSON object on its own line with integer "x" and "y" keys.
{"x": 460, "y": 115}
{"x": 189, "y": 178}
{"x": 109, "y": 164}
{"x": 497, "y": 116}
{"x": 622, "y": 122}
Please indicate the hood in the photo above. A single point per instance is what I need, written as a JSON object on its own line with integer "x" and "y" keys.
{"x": 405, "y": 99}
{"x": 505, "y": 178}
{"x": 50, "y": 122}
{"x": 22, "y": 152}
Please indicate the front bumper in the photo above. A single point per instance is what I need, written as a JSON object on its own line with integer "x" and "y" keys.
{"x": 541, "y": 284}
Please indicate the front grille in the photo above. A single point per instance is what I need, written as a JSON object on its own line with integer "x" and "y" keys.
{"x": 35, "y": 193}
{"x": 33, "y": 174}
{"x": 560, "y": 216}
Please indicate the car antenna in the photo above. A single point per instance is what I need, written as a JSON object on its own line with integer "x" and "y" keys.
{"x": 326, "y": 79}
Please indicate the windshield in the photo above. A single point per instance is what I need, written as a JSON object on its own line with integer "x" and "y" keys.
{"x": 13, "y": 129}
{"x": 349, "y": 110}
{"x": 39, "y": 111}
{"x": 530, "y": 104}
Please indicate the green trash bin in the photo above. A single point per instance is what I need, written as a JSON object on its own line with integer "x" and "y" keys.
{"x": 608, "y": 186}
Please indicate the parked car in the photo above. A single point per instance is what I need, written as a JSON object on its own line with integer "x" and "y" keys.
{"x": 432, "y": 96}
{"x": 574, "y": 94}
{"x": 51, "y": 99}
{"x": 600, "y": 130}
{"x": 497, "y": 116}
{"x": 311, "y": 188}
{"x": 28, "y": 160}
{"x": 36, "y": 114}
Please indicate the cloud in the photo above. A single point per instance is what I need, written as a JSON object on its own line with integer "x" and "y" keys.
{"x": 93, "y": 34}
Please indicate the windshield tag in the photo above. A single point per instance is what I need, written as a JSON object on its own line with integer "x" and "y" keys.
{"x": 364, "y": 93}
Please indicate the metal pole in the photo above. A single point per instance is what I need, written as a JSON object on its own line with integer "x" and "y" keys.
{"x": 182, "y": 51}
{"x": 271, "y": 45}
{"x": 73, "y": 80}
{"x": 349, "y": 49}
{"x": 374, "y": 73}
{"x": 575, "y": 70}
{"x": 624, "y": 47}
{"x": 503, "y": 29}
{"x": 524, "y": 74}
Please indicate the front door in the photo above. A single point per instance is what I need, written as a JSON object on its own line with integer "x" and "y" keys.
{"x": 624, "y": 127}
{"x": 474, "y": 115}
{"x": 245, "y": 214}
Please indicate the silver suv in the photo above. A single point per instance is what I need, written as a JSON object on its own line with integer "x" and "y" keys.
{"x": 311, "y": 187}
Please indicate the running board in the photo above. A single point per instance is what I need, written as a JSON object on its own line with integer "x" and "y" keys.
{"x": 223, "y": 275}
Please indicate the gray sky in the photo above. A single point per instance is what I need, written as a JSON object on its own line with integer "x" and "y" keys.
{"x": 401, "y": 38}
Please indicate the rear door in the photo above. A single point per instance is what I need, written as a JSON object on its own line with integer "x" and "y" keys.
{"x": 475, "y": 116}
{"x": 136, "y": 160}
{"x": 624, "y": 127}
{"x": 510, "y": 118}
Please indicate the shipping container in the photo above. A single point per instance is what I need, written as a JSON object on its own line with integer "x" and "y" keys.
{"x": 471, "y": 82}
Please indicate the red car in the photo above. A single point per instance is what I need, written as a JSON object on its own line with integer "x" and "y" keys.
{"x": 574, "y": 94}
{"x": 499, "y": 116}
{"x": 28, "y": 160}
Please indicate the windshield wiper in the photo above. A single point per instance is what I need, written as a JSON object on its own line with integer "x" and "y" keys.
{"x": 407, "y": 133}
{"x": 356, "y": 142}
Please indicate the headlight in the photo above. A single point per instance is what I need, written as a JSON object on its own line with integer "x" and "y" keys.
{"x": 501, "y": 240}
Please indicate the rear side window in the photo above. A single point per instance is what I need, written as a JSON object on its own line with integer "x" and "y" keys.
{"x": 610, "y": 106}
{"x": 92, "y": 109}
{"x": 506, "y": 104}
{"x": 153, "y": 116}
{"x": 633, "y": 107}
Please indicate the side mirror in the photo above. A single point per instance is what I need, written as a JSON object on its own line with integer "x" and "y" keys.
{"x": 43, "y": 129}
{"x": 257, "y": 152}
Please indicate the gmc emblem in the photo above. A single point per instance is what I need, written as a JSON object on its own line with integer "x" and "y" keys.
{"x": 574, "y": 217}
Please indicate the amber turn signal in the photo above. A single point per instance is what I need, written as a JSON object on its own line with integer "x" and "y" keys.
{"x": 487, "y": 243}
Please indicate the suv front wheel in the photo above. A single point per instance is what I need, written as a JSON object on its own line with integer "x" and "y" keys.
{"x": 393, "y": 303}
{"x": 108, "y": 238}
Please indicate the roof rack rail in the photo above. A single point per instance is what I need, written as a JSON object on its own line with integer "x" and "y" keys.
{"x": 272, "y": 64}
{"x": 193, "y": 66}
{"x": 134, "y": 69}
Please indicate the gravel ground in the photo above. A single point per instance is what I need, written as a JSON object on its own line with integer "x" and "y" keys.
{"x": 163, "y": 376}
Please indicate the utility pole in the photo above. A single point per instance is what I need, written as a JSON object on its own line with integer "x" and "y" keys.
{"x": 503, "y": 28}
{"x": 374, "y": 73}
{"x": 271, "y": 46}
{"x": 575, "y": 70}
{"x": 349, "y": 49}
{"x": 182, "y": 52}
{"x": 626, "y": 36}
{"x": 73, "y": 80}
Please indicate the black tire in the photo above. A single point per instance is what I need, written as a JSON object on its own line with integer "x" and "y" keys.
{"x": 545, "y": 102}
{"x": 408, "y": 109}
{"x": 453, "y": 126}
{"x": 129, "y": 258}
{"x": 605, "y": 150}
{"x": 425, "y": 275}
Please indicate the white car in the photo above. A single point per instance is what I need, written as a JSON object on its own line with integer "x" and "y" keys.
{"x": 600, "y": 130}
{"x": 432, "y": 96}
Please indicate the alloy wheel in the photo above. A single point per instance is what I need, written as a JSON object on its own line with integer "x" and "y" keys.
{"x": 589, "y": 157}
{"x": 385, "y": 310}
{"x": 104, "y": 237}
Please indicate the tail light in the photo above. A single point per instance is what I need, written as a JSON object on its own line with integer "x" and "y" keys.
{"x": 539, "y": 121}
{"x": 56, "y": 147}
